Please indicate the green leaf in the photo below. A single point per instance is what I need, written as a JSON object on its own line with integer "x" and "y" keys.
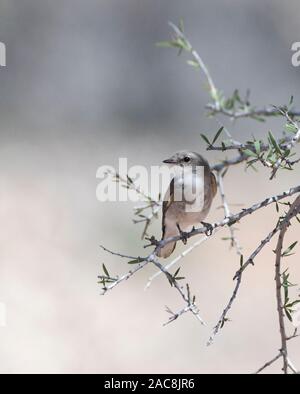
{"x": 193, "y": 63}
{"x": 136, "y": 261}
{"x": 290, "y": 305}
{"x": 249, "y": 153}
{"x": 288, "y": 315}
{"x": 290, "y": 128}
{"x": 217, "y": 135}
{"x": 165, "y": 44}
{"x": 287, "y": 252}
{"x": 174, "y": 276}
{"x": 181, "y": 25}
{"x": 257, "y": 147}
{"x": 105, "y": 270}
{"x": 205, "y": 139}
{"x": 241, "y": 260}
{"x": 274, "y": 143}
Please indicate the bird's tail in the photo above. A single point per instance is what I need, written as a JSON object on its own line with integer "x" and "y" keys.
{"x": 168, "y": 249}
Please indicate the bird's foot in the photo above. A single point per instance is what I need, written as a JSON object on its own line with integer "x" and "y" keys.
{"x": 183, "y": 234}
{"x": 208, "y": 228}
{"x": 153, "y": 242}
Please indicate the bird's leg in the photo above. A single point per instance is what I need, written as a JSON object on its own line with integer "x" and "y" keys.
{"x": 208, "y": 228}
{"x": 183, "y": 234}
{"x": 153, "y": 241}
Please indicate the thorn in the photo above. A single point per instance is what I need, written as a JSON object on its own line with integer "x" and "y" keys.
{"x": 153, "y": 241}
{"x": 209, "y": 228}
{"x": 183, "y": 235}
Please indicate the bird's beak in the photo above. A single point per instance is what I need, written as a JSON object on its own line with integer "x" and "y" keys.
{"x": 170, "y": 161}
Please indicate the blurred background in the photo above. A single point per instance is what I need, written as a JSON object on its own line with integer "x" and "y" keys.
{"x": 85, "y": 85}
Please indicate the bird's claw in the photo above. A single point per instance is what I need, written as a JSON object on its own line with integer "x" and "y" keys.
{"x": 183, "y": 235}
{"x": 208, "y": 228}
{"x": 153, "y": 241}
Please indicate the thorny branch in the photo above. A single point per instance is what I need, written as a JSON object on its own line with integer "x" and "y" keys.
{"x": 233, "y": 239}
{"x": 275, "y": 154}
{"x": 294, "y": 210}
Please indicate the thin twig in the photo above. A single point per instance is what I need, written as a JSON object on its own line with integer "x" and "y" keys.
{"x": 238, "y": 277}
{"x": 181, "y": 256}
{"x": 250, "y": 112}
{"x": 185, "y": 296}
{"x": 294, "y": 210}
{"x": 268, "y": 364}
{"x": 231, "y": 219}
{"x": 234, "y": 241}
{"x": 293, "y": 141}
{"x": 201, "y": 64}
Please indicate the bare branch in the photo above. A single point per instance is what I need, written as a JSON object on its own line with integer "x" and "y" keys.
{"x": 250, "y": 112}
{"x": 231, "y": 219}
{"x": 181, "y": 256}
{"x": 268, "y": 364}
{"x": 239, "y": 273}
{"x": 191, "y": 306}
{"x": 199, "y": 61}
{"x": 223, "y": 317}
{"x": 234, "y": 241}
{"x": 290, "y": 143}
{"x": 294, "y": 210}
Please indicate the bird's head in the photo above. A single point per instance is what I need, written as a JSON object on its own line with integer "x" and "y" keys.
{"x": 186, "y": 158}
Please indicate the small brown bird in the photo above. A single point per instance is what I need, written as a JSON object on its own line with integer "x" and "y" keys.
{"x": 181, "y": 215}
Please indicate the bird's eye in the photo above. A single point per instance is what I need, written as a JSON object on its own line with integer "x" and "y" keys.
{"x": 187, "y": 159}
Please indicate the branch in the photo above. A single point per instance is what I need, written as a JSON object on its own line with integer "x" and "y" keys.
{"x": 197, "y": 58}
{"x": 268, "y": 363}
{"x": 250, "y": 112}
{"x": 181, "y": 256}
{"x": 231, "y": 219}
{"x": 191, "y": 306}
{"x": 290, "y": 144}
{"x": 239, "y": 273}
{"x": 294, "y": 210}
{"x": 234, "y": 241}
{"x": 230, "y": 162}
{"x": 152, "y": 258}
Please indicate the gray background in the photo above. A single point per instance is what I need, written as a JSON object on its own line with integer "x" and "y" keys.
{"x": 84, "y": 85}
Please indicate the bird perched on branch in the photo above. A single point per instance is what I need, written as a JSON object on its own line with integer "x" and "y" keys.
{"x": 188, "y": 198}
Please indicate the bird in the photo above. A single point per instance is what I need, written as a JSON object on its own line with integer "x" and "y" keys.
{"x": 180, "y": 215}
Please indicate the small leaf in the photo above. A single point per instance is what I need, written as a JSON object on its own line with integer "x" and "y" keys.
{"x": 274, "y": 143}
{"x": 241, "y": 260}
{"x": 105, "y": 270}
{"x": 165, "y": 44}
{"x": 217, "y": 135}
{"x": 257, "y": 147}
{"x": 249, "y": 153}
{"x": 136, "y": 261}
{"x": 205, "y": 139}
{"x": 193, "y": 63}
{"x": 287, "y": 252}
{"x": 181, "y": 25}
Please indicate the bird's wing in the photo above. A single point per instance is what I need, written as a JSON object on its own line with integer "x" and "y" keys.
{"x": 214, "y": 186}
{"x": 166, "y": 205}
